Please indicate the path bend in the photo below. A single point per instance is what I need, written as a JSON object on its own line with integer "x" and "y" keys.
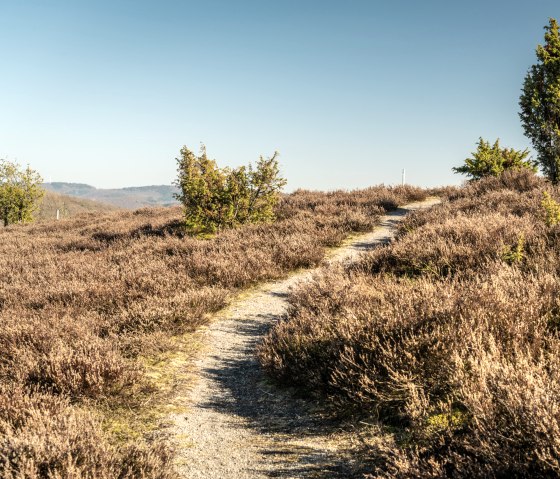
{"x": 239, "y": 426}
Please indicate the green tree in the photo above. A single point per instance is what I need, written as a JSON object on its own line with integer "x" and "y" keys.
{"x": 20, "y": 192}
{"x": 540, "y": 103}
{"x": 493, "y": 160}
{"x": 264, "y": 185}
{"x": 215, "y": 198}
{"x": 201, "y": 186}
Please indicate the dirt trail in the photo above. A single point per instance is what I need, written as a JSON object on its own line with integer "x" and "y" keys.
{"x": 238, "y": 426}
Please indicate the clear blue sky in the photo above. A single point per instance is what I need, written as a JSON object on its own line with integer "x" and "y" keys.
{"x": 349, "y": 92}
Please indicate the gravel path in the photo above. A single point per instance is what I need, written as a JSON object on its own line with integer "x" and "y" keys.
{"x": 238, "y": 426}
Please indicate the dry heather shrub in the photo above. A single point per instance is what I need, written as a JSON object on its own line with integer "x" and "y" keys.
{"x": 333, "y": 345}
{"x": 81, "y": 299}
{"x": 519, "y": 181}
{"x": 512, "y": 400}
{"x": 354, "y": 342}
{"x": 446, "y": 337}
{"x": 60, "y": 355}
{"x": 443, "y": 191}
{"x": 43, "y": 436}
{"x": 504, "y": 202}
{"x": 453, "y": 245}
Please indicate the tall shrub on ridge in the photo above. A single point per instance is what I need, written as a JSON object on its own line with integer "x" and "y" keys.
{"x": 216, "y": 198}
{"x": 494, "y": 160}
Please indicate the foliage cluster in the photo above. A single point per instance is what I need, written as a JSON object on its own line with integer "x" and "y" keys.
{"x": 450, "y": 344}
{"x": 540, "y": 103}
{"x": 540, "y": 117}
{"x": 87, "y": 303}
{"x": 551, "y": 209}
{"x": 20, "y": 193}
{"x": 493, "y": 160}
{"x": 216, "y": 198}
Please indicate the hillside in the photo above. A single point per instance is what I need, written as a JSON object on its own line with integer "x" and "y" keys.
{"x": 131, "y": 197}
{"x": 69, "y": 206}
{"x": 99, "y": 317}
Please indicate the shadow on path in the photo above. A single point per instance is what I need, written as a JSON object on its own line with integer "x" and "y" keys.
{"x": 292, "y": 437}
{"x": 273, "y": 412}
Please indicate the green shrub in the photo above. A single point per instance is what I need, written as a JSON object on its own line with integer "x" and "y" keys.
{"x": 216, "y": 198}
{"x": 551, "y": 209}
{"x": 20, "y": 193}
{"x": 493, "y": 161}
{"x": 516, "y": 253}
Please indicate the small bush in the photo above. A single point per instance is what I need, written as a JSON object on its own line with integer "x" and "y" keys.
{"x": 217, "y": 198}
{"x": 20, "y": 193}
{"x": 551, "y": 210}
{"x": 493, "y": 161}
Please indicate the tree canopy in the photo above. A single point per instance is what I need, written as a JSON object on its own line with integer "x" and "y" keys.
{"x": 20, "y": 192}
{"x": 540, "y": 103}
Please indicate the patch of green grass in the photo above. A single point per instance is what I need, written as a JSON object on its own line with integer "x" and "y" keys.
{"x": 446, "y": 421}
{"x": 144, "y": 409}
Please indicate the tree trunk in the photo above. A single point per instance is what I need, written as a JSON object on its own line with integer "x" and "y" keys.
{"x": 556, "y": 171}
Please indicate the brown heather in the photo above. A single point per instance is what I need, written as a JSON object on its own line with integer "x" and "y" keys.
{"x": 448, "y": 339}
{"x": 84, "y": 302}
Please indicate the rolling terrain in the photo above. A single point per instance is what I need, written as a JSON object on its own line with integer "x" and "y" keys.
{"x": 435, "y": 355}
{"x": 130, "y": 198}
{"x": 101, "y": 317}
{"x": 68, "y": 206}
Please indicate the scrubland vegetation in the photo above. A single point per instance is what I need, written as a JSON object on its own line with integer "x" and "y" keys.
{"x": 448, "y": 338}
{"x": 445, "y": 342}
{"x": 86, "y": 302}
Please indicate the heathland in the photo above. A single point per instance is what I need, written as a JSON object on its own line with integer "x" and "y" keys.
{"x": 440, "y": 351}
{"x": 446, "y": 342}
{"x": 441, "y": 348}
{"x": 89, "y": 304}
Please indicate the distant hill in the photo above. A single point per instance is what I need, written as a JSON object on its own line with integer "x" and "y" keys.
{"x": 132, "y": 197}
{"x": 68, "y": 206}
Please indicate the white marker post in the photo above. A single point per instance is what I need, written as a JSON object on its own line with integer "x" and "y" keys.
{"x": 57, "y": 214}
{"x": 403, "y": 176}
